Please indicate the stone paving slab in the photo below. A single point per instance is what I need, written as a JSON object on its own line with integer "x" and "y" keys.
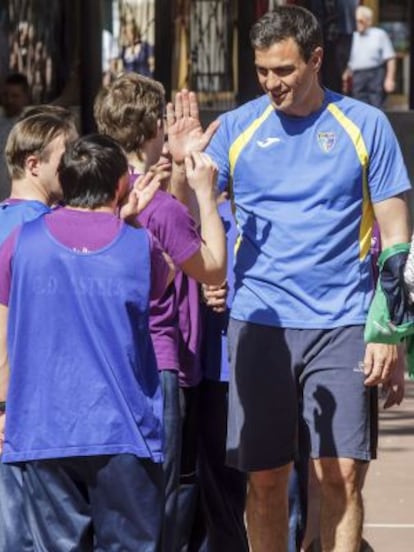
{"x": 389, "y": 488}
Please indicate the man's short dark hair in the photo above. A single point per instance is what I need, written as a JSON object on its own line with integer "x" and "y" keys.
{"x": 287, "y": 22}
{"x": 89, "y": 171}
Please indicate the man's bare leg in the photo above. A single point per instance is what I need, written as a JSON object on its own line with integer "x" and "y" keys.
{"x": 341, "y": 503}
{"x": 267, "y": 510}
{"x": 314, "y": 503}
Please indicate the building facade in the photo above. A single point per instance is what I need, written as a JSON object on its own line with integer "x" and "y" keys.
{"x": 199, "y": 44}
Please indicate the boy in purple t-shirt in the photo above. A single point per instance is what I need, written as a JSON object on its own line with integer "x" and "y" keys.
{"x": 84, "y": 404}
{"x": 131, "y": 110}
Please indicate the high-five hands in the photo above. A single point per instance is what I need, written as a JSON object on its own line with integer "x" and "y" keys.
{"x": 185, "y": 133}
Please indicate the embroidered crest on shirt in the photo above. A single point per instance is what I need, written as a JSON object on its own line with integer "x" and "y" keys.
{"x": 326, "y": 141}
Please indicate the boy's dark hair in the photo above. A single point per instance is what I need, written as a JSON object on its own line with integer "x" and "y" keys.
{"x": 287, "y": 22}
{"x": 89, "y": 171}
{"x": 129, "y": 110}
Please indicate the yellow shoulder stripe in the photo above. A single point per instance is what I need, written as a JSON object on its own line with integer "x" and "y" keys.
{"x": 240, "y": 142}
{"x": 367, "y": 219}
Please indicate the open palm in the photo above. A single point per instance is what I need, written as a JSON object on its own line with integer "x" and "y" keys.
{"x": 185, "y": 133}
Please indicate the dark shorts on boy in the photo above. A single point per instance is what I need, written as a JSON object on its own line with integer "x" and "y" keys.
{"x": 279, "y": 375}
{"x": 94, "y": 503}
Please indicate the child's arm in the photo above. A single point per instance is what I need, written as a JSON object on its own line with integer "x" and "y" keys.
{"x": 208, "y": 264}
{"x": 180, "y": 189}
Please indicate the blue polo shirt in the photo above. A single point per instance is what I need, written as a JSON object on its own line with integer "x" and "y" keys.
{"x": 303, "y": 190}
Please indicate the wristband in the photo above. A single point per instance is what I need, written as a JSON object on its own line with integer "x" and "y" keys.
{"x": 2, "y": 407}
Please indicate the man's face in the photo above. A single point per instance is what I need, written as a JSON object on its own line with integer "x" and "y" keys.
{"x": 362, "y": 23}
{"x": 290, "y": 82}
{"x": 15, "y": 100}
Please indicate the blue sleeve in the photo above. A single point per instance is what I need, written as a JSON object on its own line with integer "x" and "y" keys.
{"x": 7, "y": 249}
{"x": 218, "y": 149}
{"x": 387, "y": 173}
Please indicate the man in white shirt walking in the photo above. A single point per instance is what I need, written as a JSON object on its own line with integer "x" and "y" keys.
{"x": 372, "y": 62}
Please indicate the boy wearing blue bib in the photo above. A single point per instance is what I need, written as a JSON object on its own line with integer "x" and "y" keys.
{"x": 84, "y": 405}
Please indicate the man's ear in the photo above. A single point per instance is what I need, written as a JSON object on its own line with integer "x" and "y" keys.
{"x": 32, "y": 164}
{"x": 316, "y": 58}
{"x": 122, "y": 189}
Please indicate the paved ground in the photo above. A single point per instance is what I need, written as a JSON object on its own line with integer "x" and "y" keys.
{"x": 389, "y": 488}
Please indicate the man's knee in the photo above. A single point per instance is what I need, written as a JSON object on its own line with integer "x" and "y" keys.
{"x": 340, "y": 473}
{"x": 268, "y": 482}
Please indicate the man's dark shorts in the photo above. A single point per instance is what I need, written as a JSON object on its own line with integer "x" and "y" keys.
{"x": 279, "y": 376}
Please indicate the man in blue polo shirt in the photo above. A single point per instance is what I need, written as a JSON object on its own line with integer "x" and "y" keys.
{"x": 310, "y": 170}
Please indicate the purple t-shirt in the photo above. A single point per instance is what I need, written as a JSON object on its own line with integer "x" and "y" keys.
{"x": 171, "y": 223}
{"x": 84, "y": 231}
{"x": 189, "y": 330}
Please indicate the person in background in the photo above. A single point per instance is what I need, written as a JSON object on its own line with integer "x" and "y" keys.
{"x": 15, "y": 97}
{"x": 372, "y": 61}
{"x": 337, "y": 19}
{"x": 137, "y": 55}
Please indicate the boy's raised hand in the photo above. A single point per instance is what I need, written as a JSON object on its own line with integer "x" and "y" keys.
{"x": 201, "y": 172}
{"x": 185, "y": 133}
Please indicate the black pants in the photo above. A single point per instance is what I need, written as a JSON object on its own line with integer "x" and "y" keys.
{"x": 223, "y": 489}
